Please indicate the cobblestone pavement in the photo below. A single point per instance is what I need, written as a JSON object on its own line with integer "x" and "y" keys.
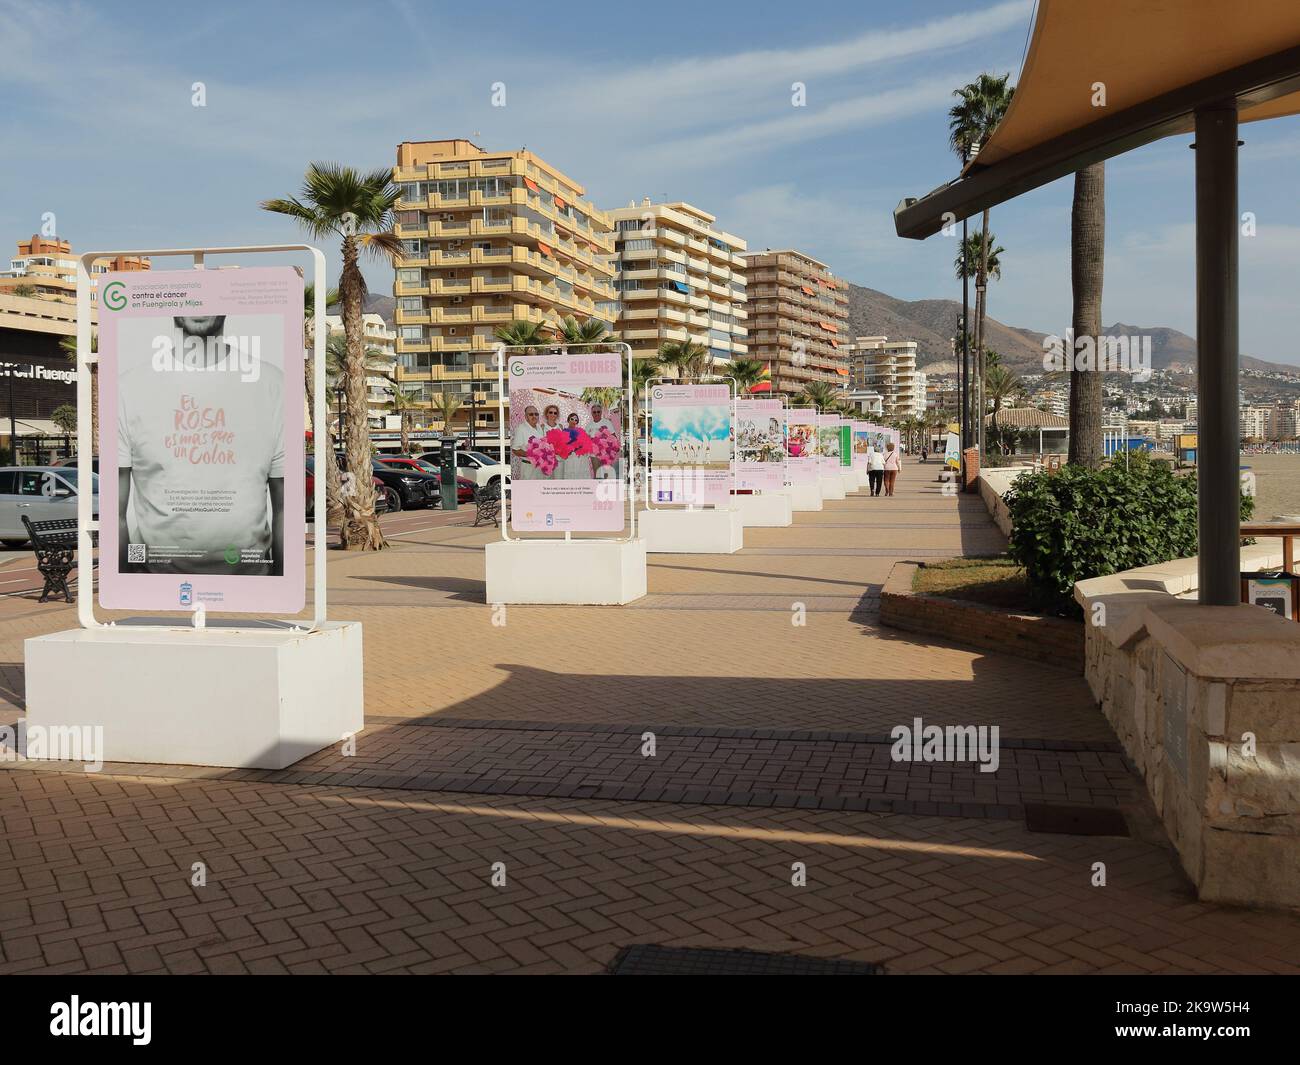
{"x": 522, "y": 745}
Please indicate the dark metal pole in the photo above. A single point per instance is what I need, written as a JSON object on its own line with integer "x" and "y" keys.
{"x": 13, "y": 423}
{"x": 965, "y": 369}
{"x": 1219, "y": 441}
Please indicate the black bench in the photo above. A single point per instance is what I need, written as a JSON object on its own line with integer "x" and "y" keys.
{"x": 487, "y": 503}
{"x": 55, "y": 544}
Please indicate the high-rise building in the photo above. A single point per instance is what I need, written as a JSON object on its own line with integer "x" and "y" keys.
{"x": 489, "y": 238}
{"x": 48, "y": 267}
{"x": 888, "y": 367}
{"x": 798, "y": 315}
{"x": 1254, "y": 423}
{"x": 381, "y": 364}
{"x": 679, "y": 279}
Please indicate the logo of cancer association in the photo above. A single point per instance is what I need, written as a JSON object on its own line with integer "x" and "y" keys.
{"x": 232, "y": 555}
{"x": 114, "y": 296}
{"x": 517, "y": 368}
{"x": 657, "y": 393}
{"x": 187, "y": 594}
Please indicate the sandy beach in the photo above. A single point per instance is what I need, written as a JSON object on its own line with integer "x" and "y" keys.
{"x": 1277, "y": 484}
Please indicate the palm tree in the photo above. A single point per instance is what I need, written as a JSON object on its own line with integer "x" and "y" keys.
{"x": 534, "y": 336}
{"x": 404, "y": 404}
{"x": 819, "y": 394}
{"x": 971, "y": 121}
{"x": 446, "y": 404}
{"x": 1002, "y": 385}
{"x": 68, "y": 345}
{"x": 1087, "y": 255}
{"x": 589, "y": 331}
{"x": 339, "y": 201}
{"x": 978, "y": 250}
{"x": 746, "y": 372}
{"x": 686, "y": 357}
{"x": 336, "y": 355}
{"x": 333, "y": 482}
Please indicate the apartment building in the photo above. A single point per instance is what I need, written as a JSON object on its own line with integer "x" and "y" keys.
{"x": 48, "y": 267}
{"x": 488, "y": 238}
{"x": 381, "y": 364}
{"x": 678, "y": 278}
{"x": 798, "y": 317}
{"x": 1254, "y": 422}
{"x": 888, "y": 367}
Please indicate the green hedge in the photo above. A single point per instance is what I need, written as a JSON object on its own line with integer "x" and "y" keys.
{"x": 1076, "y": 524}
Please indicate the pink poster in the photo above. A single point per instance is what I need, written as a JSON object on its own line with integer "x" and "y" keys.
{"x": 566, "y": 443}
{"x": 801, "y": 442}
{"x": 691, "y": 446}
{"x": 760, "y": 444}
{"x": 201, "y": 440}
{"x": 828, "y": 443}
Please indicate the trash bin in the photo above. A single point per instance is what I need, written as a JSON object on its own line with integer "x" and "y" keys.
{"x": 1275, "y": 590}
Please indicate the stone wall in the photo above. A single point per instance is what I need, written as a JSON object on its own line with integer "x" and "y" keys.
{"x": 993, "y": 484}
{"x": 1206, "y": 702}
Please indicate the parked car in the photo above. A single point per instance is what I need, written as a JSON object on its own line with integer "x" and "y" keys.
{"x": 42, "y": 493}
{"x": 410, "y": 487}
{"x": 480, "y": 468}
{"x": 381, "y": 491}
{"x": 464, "y": 486}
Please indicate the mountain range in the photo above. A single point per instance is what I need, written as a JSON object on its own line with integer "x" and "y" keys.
{"x": 932, "y": 324}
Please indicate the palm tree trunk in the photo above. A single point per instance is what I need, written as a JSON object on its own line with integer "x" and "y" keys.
{"x": 360, "y": 527}
{"x": 406, "y": 432}
{"x": 981, "y": 300}
{"x": 1087, "y": 260}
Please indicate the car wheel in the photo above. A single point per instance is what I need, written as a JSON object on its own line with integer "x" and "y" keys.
{"x": 494, "y": 480}
{"x": 394, "y": 498}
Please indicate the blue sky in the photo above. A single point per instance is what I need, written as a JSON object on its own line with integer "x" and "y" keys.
{"x": 680, "y": 100}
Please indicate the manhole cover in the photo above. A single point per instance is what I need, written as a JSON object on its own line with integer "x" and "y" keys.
{"x": 648, "y": 959}
{"x": 1075, "y": 820}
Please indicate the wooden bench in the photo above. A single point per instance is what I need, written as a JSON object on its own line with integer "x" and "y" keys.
{"x": 55, "y": 544}
{"x": 487, "y": 503}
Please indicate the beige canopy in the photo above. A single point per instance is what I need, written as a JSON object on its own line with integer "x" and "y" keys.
{"x": 1164, "y": 45}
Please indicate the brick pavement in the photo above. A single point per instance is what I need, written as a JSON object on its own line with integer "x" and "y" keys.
{"x": 770, "y": 734}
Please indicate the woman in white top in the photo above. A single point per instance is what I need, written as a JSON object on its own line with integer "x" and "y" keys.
{"x": 528, "y": 429}
{"x": 550, "y": 420}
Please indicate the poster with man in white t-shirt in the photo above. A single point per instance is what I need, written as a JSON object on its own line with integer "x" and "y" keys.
{"x": 202, "y": 442}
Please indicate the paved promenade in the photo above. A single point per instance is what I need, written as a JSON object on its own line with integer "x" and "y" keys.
{"x": 517, "y": 749}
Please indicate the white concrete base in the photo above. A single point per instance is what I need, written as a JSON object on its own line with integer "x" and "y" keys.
{"x": 860, "y": 478}
{"x": 832, "y": 485}
{"x": 805, "y": 497}
{"x": 692, "y": 532}
{"x": 252, "y": 699}
{"x": 850, "y": 480}
{"x": 574, "y": 572}
{"x": 771, "y": 510}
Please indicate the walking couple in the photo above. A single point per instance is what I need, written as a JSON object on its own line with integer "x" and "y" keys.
{"x": 882, "y": 469}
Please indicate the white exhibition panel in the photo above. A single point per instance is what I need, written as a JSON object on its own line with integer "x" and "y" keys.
{"x": 832, "y": 486}
{"x": 244, "y": 698}
{"x": 715, "y": 531}
{"x": 572, "y": 572}
{"x": 771, "y": 510}
{"x": 805, "y": 497}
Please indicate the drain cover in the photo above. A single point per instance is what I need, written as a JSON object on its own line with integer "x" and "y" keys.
{"x": 649, "y": 959}
{"x": 1075, "y": 820}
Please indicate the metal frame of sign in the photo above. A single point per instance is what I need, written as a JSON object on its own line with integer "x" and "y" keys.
{"x": 499, "y": 353}
{"x": 702, "y": 380}
{"x": 86, "y": 524}
{"x": 785, "y": 436}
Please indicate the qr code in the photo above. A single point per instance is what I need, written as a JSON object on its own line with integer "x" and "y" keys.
{"x": 135, "y": 553}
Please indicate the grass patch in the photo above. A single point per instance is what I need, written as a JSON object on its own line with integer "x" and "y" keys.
{"x": 995, "y": 582}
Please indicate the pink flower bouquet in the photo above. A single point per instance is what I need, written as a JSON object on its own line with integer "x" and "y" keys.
{"x": 606, "y": 447}
{"x": 542, "y": 455}
{"x": 568, "y": 442}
